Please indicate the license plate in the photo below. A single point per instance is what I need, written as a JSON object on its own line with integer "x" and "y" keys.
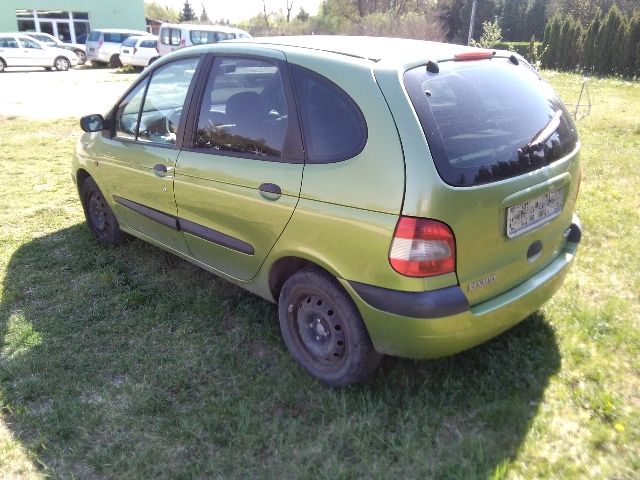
{"x": 125, "y": 51}
{"x": 531, "y": 213}
{"x": 92, "y": 49}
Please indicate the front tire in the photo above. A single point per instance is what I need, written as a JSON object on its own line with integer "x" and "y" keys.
{"x": 323, "y": 329}
{"x": 82, "y": 57}
{"x": 62, "y": 64}
{"x": 100, "y": 218}
{"x": 2, "y": 65}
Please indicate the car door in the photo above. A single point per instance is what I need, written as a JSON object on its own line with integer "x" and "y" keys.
{"x": 10, "y": 51}
{"x": 136, "y": 162}
{"x": 34, "y": 54}
{"x": 238, "y": 183}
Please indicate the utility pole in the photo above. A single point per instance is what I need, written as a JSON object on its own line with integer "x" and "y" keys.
{"x": 472, "y": 21}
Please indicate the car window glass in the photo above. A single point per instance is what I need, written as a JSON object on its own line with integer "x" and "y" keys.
{"x": 164, "y": 100}
{"x": 199, "y": 37}
{"x": 94, "y": 36}
{"x": 148, "y": 44}
{"x": 175, "y": 36}
{"x": 333, "y": 125}
{"x": 26, "y": 43}
{"x": 8, "y": 42}
{"x": 244, "y": 109}
{"x": 128, "y": 112}
{"x": 129, "y": 42}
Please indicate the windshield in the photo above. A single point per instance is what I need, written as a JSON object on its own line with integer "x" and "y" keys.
{"x": 480, "y": 116}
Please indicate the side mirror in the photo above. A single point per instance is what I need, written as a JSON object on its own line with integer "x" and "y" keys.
{"x": 92, "y": 123}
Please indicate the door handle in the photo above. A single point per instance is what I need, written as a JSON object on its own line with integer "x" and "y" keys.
{"x": 270, "y": 191}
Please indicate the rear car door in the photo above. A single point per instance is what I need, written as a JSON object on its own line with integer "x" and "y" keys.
{"x": 238, "y": 183}
{"x": 34, "y": 54}
{"x": 137, "y": 164}
{"x": 10, "y": 51}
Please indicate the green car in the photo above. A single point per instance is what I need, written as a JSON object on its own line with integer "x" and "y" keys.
{"x": 393, "y": 197}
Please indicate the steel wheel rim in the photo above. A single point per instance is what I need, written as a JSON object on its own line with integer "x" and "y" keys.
{"x": 97, "y": 212}
{"x": 320, "y": 331}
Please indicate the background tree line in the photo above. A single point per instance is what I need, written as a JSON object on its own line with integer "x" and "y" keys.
{"x": 599, "y": 36}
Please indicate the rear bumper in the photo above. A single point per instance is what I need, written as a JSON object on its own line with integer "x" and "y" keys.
{"x": 458, "y": 328}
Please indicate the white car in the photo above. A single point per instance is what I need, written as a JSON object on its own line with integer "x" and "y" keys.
{"x": 52, "y": 41}
{"x": 19, "y": 50}
{"x": 178, "y": 35}
{"x": 103, "y": 45}
{"x": 139, "y": 51}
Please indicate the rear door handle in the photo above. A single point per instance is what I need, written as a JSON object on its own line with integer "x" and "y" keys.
{"x": 270, "y": 191}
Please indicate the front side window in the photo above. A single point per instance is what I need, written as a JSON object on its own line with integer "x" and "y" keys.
{"x": 244, "y": 109}
{"x": 333, "y": 125}
{"x": 154, "y": 116}
{"x": 126, "y": 122}
{"x": 26, "y": 43}
{"x": 164, "y": 100}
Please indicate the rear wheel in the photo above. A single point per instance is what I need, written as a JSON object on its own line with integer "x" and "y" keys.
{"x": 114, "y": 61}
{"x": 62, "y": 64}
{"x": 2, "y": 65}
{"x": 323, "y": 329}
{"x": 100, "y": 219}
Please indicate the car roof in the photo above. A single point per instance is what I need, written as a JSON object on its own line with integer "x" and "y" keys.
{"x": 119, "y": 30}
{"x": 370, "y": 48}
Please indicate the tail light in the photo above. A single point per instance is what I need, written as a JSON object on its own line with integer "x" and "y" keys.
{"x": 183, "y": 42}
{"x": 473, "y": 55}
{"x": 100, "y": 42}
{"x": 135, "y": 49}
{"x": 422, "y": 248}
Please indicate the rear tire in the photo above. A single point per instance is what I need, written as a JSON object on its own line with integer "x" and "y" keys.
{"x": 324, "y": 330}
{"x": 114, "y": 61}
{"x": 62, "y": 64}
{"x": 100, "y": 218}
{"x": 2, "y": 65}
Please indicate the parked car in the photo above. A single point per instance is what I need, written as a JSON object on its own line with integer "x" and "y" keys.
{"x": 52, "y": 41}
{"x": 174, "y": 36}
{"x": 139, "y": 51}
{"x": 19, "y": 50}
{"x": 435, "y": 210}
{"x": 103, "y": 45}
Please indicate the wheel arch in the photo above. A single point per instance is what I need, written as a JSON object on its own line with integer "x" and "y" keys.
{"x": 81, "y": 176}
{"x": 284, "y": 267}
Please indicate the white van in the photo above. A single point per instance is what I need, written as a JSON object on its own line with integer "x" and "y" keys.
{"x": 103, "y": 45}
{"x": 173, "y": 36}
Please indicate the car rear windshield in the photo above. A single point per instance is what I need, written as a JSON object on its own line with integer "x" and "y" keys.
{"x": 130, "y": 42}
{"x": 94, "y": 36}
{"x": 480, "y": 119}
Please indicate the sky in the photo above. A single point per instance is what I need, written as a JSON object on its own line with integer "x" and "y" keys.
{"x": 237, "y": 10}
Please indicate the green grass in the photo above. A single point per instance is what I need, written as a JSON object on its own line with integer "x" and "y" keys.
{"x": 130, "y": 363}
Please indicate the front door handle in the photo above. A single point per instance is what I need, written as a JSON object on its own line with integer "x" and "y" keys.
{"x": 270, "y": 191}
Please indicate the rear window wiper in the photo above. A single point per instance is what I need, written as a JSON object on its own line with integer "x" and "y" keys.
{"x": 543, "y": 135}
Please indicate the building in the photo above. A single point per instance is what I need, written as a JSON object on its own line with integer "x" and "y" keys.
{"x": 70, "y": 20}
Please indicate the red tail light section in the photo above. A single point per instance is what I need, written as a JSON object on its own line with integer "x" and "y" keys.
{"x": 473, "y": 55}
{"x": 422, "y": 248}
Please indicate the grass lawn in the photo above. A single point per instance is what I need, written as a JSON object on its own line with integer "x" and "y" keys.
{"x": 129, "y": 363}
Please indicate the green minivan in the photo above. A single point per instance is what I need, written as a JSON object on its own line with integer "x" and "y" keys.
{"x": 393, "y": 197}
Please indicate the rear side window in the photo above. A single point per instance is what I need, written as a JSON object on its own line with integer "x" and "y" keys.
{"x": 478, "y": 118}
{"x": 115, "y": 37}
{"x": 333, "y": 126}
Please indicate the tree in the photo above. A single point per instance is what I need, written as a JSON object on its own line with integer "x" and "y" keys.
{"x": 159, "y": 12}
{"x": 302, "y": 16}
{"x": 289, "y": 8}
{"x": 632, "y": 47}
{"x": 609, "y": 42}
{"x": 513, "y": 20}
{"x": 187, "y": 14}
{"x": 491, "y": 34}
{"x": 590, "y": 49}
{"x": 204, "y": 18}
{"x": 536, "y": 18}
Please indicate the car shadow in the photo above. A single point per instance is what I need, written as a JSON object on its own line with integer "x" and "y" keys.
{"x": 131, "y": 362}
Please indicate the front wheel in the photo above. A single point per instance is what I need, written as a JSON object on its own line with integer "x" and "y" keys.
{"x": 82, "y": 57}
{"x": 2, "y": 65}
{"x": 100, "y": 219}
{"x": 62, "y": 64}
{"x": 324, "y": 330}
